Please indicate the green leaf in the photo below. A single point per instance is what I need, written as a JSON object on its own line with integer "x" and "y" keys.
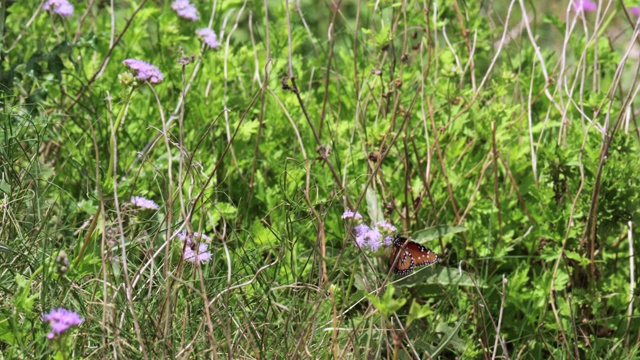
{"x": 373, "y": 206}
{"x": 582, "y": 260}
{"x": 450, "y": 337}
{"x": 22, "y": 300}
{"x": 418, "y": 312}
{"x": 432, "y": 233}
{"x": 386, "y": 304}
{"x": 5, "y": 187}
{"x": 442, "y": 276}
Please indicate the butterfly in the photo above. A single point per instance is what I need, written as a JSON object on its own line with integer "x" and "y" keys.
{"x": 410, "y": 254}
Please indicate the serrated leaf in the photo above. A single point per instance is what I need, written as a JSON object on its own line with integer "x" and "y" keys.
{"x": 418, "y": 312}
{"x": 386, "y": 304}
{"x": 561, "y": 280}
{"x": 582, "y": 260}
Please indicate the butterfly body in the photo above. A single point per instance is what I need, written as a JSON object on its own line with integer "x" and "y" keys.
{"x": 409, "y": 255}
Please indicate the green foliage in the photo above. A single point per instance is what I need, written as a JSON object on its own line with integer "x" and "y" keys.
{"x": 509, "y": 150}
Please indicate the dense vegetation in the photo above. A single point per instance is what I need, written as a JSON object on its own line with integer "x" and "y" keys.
{"x": 191, "y": 206}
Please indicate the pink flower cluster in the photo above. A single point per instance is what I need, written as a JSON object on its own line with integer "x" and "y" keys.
{"x": 371, "y": 237}
{"x": 144, "y": 203}
{"x": 61, "y": 320}
{"x": 584, "y": 5}
{"x": 209, "y": 37}
{"x": 590, "y": 6}
{"x": 144, "y": 71}
{"x": 190, "y": 254}
{"x": 185, "y": 9}
{"x": 60, "y": 7}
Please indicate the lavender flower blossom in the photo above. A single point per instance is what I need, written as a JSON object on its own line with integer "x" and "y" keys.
{"x": 361, "y": 231}
{"x": 584, "y": 5}
{"x": 144, "y": 71}
{"x": 62, "y": 262}
{"x": 185, "y": 9}
{"x": 61, "y": 320}
{"x": 373, "y": 238}
{"x": 387, "y": 227}
{"x": 351, "y": 215}
{"x": 388, "y": 240}
{"x": 202, "y": 256}
{"x": 202, "y": 236}
{"x": 182, "y": 235}
{"x": 189, "y": 251}
{"x": 635, "y": 10}
{"x": 144, "y": 203}
{"x": 209, "y": 37}
{"x": 60, "y": 7}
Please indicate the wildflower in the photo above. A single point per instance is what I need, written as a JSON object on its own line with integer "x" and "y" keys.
{"x": 60, "y": 7}
{"x": 635, "y": 10}
{"x": 62, "y": 258}
{"x": 189, "y": 250}
{"x": 209, "y": 37}
{"x": 584, "y": 5}
{"x": 202, "y": 256}
{"x": 181, "y": 235}
{"x": 373, "y": 238}
{"x": 351, "y": 215}
{"x": 202, "y": 236}
{"x": 184, "y": 237}
{"x": 144, "y": 203}
{"x": 185, "y": 9}
{"x": 144, "y": 71}
{"x": 61, "y": 320}
{"x": 361, "y": 230}
{"x": 62, "y": 262}
{"x": 387, "y": 227}
{"x": 388, "y": 240}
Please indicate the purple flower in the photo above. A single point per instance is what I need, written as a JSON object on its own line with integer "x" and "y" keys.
{"x": 62, "y": 258}
{"x": 185, "y": 9}
{"x": 361, "y": 230}
{"x": 62, "y": 262}
{"x": 386, "y": 227}
{"x": 144, "y": 71}
{"x": 61, "y": 320}
{"x": 635, "y": 10}
{"x": 202, "y": 256}
{"x": 584, "y": 5}
{"x": 209, "y": 37}
{"x": 60, "y": 7}
{"x": 202, "y": 236}
{"x": 351, "y": 215}
{"x": 144, "y": 203}
{"x": 189, "y": 251}
{"x": 373, "y": 237}
{"x": 388, "y": 240}
{"x": 361, "y": 241}
{"x": 182, "y": 235}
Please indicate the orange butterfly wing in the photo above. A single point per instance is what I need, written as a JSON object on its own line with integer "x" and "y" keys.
{"x": 409, "y": 256}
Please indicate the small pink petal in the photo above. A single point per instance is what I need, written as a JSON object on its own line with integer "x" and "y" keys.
{"x": 584, "y": 5}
